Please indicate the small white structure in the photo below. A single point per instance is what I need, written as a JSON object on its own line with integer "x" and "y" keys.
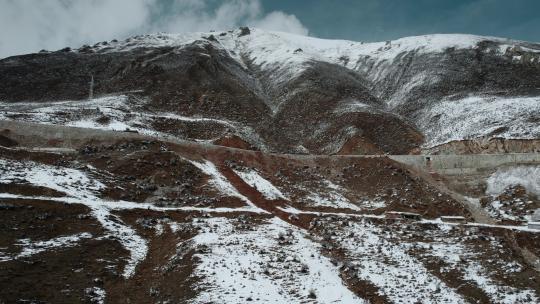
{"x": 395, "y": 215}
{"x": 534, "y": 222}
{"x": 454, "y": 219}
{"x": 534, "y": 225}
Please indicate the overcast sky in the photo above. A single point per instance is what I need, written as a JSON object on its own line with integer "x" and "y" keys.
{"x": 31, "y": 25}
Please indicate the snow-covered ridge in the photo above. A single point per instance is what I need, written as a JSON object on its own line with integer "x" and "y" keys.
{"x": 273, "y": 61}
{"x": 268, "y": 46}
{"x": 315, "y": 46}
{"x": 347, "y": 52}
{"x": 284, "y": 56}
{"x": 480, "y": 117}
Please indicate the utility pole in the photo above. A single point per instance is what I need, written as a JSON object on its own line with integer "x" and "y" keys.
{"x": 91, "y": 93}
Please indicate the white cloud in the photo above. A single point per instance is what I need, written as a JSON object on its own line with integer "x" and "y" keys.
{"x": 279, "y": 21}
{"x": 31, "y": 25}
{"x": 195, "y": 16}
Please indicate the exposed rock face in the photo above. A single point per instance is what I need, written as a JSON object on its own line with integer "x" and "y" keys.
{"x": 286, "y": 93}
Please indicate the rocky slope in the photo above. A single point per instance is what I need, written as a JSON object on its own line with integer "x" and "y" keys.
{"x": 161, "y": 187}
{"x": 285, "y": 93}
{"x": 123, "y": 218}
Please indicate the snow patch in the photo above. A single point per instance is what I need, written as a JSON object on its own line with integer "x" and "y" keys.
{"x": 255, "y": 180}
{"x": 219, "y": 181}
{"x": 30, "y": 248}
{"x": 463, "y": 258}
{"x": 249, "y": 265}
{"x": 96, "y": 295}
{"x": 72, "y": 182}
{"x": 398, "y": 275}
{"x": 526, "y": 176}
{"x": 480, "y": 117}
{"x": 127, "y": 236}
{"x": 330, "y": 195}
{"x": 80, "y": 190}
{"x": 498, "y": 293}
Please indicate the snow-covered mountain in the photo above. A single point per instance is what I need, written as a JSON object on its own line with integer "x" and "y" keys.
{"x": 139, "y": 171}
{"x": 287, "y": 93}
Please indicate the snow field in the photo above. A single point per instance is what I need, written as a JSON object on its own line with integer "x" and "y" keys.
{"x": 272, "y": 263}
{"x": 480, "y": 116}
{"x": 83, "y": 190}
{"x": 401, "y": 277}
{"x": 395, "y": 265}
{"x": 465, "y": 259}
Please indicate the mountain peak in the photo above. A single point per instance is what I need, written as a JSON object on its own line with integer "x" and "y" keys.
{"x": 257, "y": 38}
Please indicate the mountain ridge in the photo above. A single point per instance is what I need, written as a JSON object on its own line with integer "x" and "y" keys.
{"x": 249, "y": 166}
{"x": 302, "y": 94}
